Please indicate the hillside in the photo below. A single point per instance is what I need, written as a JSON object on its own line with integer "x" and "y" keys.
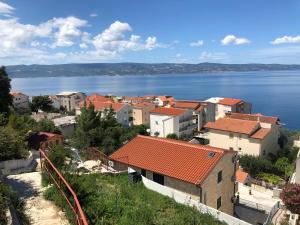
{"x": 98, "y": 69}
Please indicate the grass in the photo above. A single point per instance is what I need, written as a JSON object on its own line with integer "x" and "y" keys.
{"x": 108, "y": 199}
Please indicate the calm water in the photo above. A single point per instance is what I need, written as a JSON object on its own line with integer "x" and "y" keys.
{"x": 272, "y": 93}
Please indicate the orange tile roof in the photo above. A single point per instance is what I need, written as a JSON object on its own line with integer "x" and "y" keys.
{"x": 254, "y": 117}
{"x": 178, "y": 159}
{"x": 168, "y": 111}
{"x": 98, "y": 98}
{"x": 14, "y": 93}
{"x": 229, "y": 101}
{"x": 241, "y": 176}
{"x": 100, "y": 106}
{"x": 186, "y": 104}
{"x": 143, "y": 104}
{"x": 233, "y": 125}
{"x": 261, "y": 133}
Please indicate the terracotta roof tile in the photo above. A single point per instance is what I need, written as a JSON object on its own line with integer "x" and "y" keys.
{"x": 100, "y": 106}
{"x": 241, "y": 176}
{"x": 143, "y": 104}
{"x": 261, "y": 133}
{"x": 229, "y": 101}
{"x": 186, "y": 104}
{"x": 178, "y": 159}
{"x": 233, "y": 125}
{"x": 168, "y": 111}
{"x": 254, "y": 117}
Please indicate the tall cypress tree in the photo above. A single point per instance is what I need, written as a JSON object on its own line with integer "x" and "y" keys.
{"x": 5, "y": 97}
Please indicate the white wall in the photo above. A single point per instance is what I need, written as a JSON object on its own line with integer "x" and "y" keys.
{"x": 221, "y": 139}
{"x": 21, "y": 101}
{"x": 163, "y": 124}
{"x": 123, "y": 115}
{"x": 186, "y": 199}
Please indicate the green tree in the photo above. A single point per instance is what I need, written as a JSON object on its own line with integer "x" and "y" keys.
{"x": 285, "y": 167}
{"x": 12, "y": 145}
{"x": 5, "y": 97}
{"x": 46, "y": 125}
{"x": 43, "y": 103}
{"x": 290, "y": 196}
{"x": 172, "y": 136}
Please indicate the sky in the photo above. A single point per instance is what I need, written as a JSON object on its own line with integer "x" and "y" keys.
{"x": 156, "y": 31}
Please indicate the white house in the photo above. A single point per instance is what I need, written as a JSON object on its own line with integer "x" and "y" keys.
{"x": 20, "y": 100}
{"x": 70, "y": 99}
{"x": 163, "y": 100}
{"x": 123, "y": 111}
{"x": 248, "y": 134}
{"x": 227, "y": 105}
{"x": 164, "y": 121}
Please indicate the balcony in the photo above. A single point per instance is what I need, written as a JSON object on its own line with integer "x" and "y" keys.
{"x": 186, "y": 119}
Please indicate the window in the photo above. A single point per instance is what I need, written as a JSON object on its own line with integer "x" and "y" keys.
{"x": 219, "y": 202}
{"x": 220, "y": 176}
{"x": 143, "y": 172}
{"x": 240, "y": 149}
{"x": 231, "y": 148}
{"x": 231, "y": 135}
{"x": 158, "y": 178}
{"x": 240, "y": 136}
{"x": 156, "y": 122}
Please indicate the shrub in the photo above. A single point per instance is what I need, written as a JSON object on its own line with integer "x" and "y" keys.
{"x": 290, "y": 196}
{"x": 270, "y": 178}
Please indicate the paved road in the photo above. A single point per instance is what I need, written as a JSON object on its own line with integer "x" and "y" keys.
{"x": 40, "y": 211}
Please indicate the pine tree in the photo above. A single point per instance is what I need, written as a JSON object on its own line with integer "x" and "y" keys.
{"x": 5, "y": 97}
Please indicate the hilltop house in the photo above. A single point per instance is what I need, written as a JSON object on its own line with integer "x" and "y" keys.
{"x": 248, "y": 134}
{"x": 203, "y": 112}
{"x": 163, "y": 100}
{"x": 227, "y": 105}
{"x": 70, "y": 99}
{"x": 141, "y": 113}
{"x": 123, "y": 111}
{"x": 44, "y": 140}
{"x": 20, "y": 100}
{"x": 204, "y": 173}
{"x": 164, "y": 121}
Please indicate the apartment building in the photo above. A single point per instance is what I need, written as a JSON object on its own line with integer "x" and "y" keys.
{"x": 227, "y": 105}
{"x": 141, "y": 113}
{"x": 204, "y": 173}
{"x": 20, "y": 100}
{"x": 123, "y": 112}
{"x": 163, "y": 100}
{"x": 203, "y": 112}
{"x": 248, "y": 134}
{"x": 164, "y": 121}
{"x": 69, "y": 99}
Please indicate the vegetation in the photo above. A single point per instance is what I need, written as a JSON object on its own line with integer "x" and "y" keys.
{"x": 43, "y": 103}
{"x": 7, "y": 198}
{"x": 111, "y": 199}
{"x": 12, "y": 145}
{"x": 5, "y": 97}
{"x": 269, "y": 178}
{"x": 102, "y": 130}
{"x": 172, "y": 136}
{"x": 290, "y": 196}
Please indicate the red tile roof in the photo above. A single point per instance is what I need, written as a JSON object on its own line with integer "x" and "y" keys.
{"x": 186, "y": 104}
{"x": 241, "y": 176}
{"x": 100, "y": 106}
{"x": 254, "y": 117}
{"x": 98, "y": 98}
{"x": 15, "y": 94}
{"x": 229, "y": 101}
{"x": 233, "y": 125}
{"x": 143, "y": 104}
{"x": 168, "y": 111}
{"x": 261, "y": 133}
{"x": 178, "y": 159}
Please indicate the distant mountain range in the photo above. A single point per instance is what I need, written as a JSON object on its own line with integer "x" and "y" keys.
{"x": 98, "y": 69}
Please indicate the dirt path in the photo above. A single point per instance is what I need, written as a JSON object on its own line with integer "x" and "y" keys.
{"x": 40, "y": 211}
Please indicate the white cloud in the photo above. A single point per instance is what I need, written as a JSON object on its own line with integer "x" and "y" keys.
{"x": 6, "y": 9}
{"x": 213, "y": 56}
{"x": 231, "y": 39}
{"x": 198, "y": 43}
{"x": 286, "y": 40}
{"x": 178, "y": 55}
{"x": 93, "y": 15}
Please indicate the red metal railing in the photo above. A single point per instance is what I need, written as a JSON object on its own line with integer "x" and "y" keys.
{"x": 59, "y": 182}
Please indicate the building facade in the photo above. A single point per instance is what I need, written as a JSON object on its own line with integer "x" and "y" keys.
{"x": 164, "y": 121}
{"x": 244, "y": 136}
{"x": 20, "y": 100}
{"x": 141, "y": 113}
{"x": 69, "y": 100}
{"x": 205, "y": 173}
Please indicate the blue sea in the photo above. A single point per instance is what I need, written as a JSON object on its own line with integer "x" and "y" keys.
{"x": 274, "y": 93}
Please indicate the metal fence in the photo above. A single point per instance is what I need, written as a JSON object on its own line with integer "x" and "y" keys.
{"x": 254, "y": 205}
{"x": 64, "y": 188}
